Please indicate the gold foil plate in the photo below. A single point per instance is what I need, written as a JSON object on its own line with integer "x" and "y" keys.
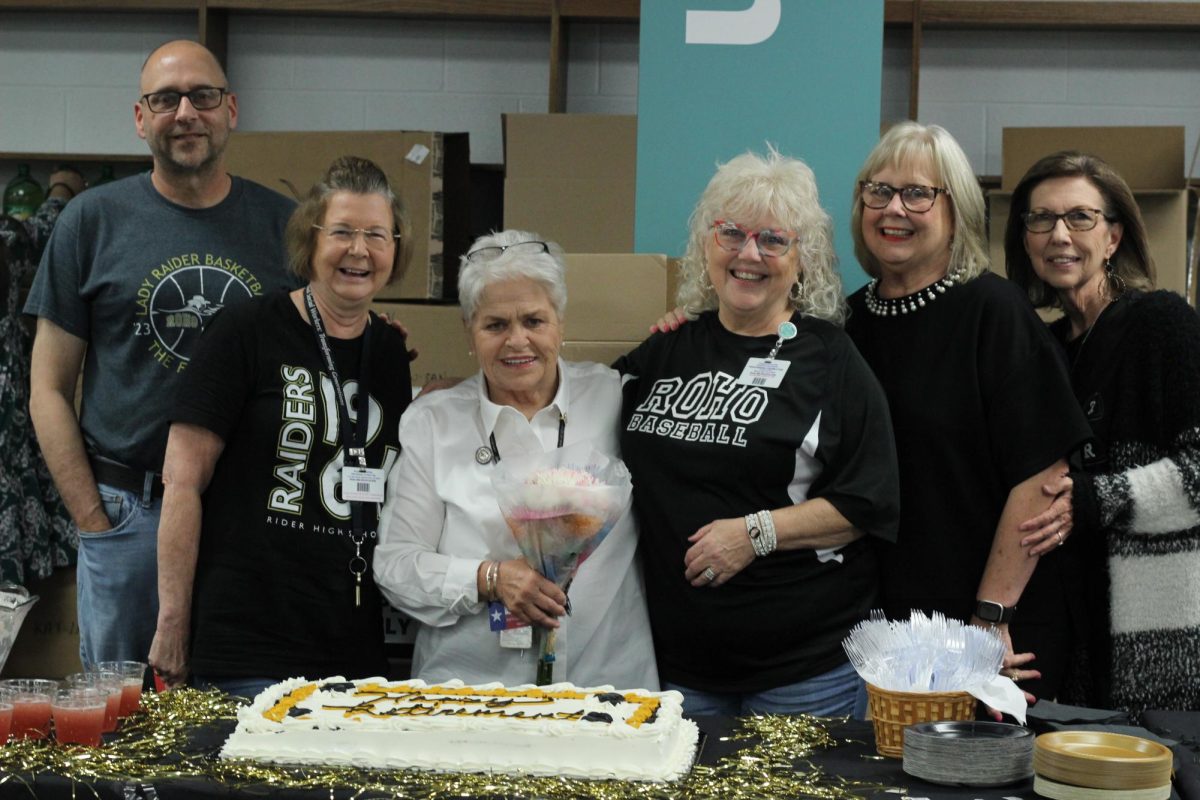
{"x": 1097, "y": 760}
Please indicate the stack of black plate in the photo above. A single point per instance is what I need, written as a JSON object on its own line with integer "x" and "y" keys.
{"x": 968, "y": 753}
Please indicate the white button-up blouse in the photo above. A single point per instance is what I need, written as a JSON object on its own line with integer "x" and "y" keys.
{"x": 441, "y": 520}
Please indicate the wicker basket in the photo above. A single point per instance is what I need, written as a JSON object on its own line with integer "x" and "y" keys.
{"x": 892, "y": 712}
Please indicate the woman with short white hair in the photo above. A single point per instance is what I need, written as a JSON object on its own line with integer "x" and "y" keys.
{"x": 444, "y": 549}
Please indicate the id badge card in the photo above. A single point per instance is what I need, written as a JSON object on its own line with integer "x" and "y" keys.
{"x": 512, "y": 633}
{"x": 767, "y": 373}
{"x": 363, "y": 483}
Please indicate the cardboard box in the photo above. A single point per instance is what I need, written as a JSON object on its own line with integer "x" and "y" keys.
{"x": 1150, "y": 159}
{"x": 600, "y": 352}
{"x": 436, "y": 331}
{"x": 47, "y": 645}
{"x": 428, "y": 170}
{"x": 612, "y": 299}
{"x": 615, "y": 296}
{"x": 571, "y": 178}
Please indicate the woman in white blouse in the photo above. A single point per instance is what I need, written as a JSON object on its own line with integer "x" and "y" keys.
{"x": 444, "y": 550}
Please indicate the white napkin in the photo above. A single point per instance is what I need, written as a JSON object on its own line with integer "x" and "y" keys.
{"x": 1002, "y": 694}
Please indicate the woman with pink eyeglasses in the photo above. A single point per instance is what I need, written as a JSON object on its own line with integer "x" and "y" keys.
{"x": 761, "y": 455}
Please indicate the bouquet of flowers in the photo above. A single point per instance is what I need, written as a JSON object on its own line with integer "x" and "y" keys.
{"x": 559, "y": 506}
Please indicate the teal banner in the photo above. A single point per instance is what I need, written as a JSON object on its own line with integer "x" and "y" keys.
{"x": 719, "y": 77}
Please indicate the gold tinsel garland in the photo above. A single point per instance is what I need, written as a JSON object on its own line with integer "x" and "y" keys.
{"x": 153, "y": 746}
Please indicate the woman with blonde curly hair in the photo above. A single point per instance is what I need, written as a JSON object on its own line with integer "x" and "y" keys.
{"x": 762, "y": 457}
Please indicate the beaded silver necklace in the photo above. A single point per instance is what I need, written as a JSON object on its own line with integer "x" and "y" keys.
{"x": 910, "y": 303}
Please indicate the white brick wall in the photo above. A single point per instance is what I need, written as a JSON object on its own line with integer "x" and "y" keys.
{"x": 67, "y": 82}
{"x": 976, "y": 83}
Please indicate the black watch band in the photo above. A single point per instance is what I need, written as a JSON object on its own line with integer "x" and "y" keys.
{"x": 993, "y": 612}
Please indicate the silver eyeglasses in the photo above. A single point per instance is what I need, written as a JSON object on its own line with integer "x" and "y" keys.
{"x": 916, "y": 198}
{"x": 375, "y": 238}
{"x": 202, "y": 99}
{"x": 518, "y": 248}
{"x": 1077, "y": 219}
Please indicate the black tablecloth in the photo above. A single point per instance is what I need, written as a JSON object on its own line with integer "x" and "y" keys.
{"x": 856, "y": 759}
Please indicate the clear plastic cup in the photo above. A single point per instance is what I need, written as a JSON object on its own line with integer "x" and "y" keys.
{"x": 132, "y": 673}
{"x": 30, "y": 706}
{"x": 79, "y": 714}
{"x": 108, "y": 684}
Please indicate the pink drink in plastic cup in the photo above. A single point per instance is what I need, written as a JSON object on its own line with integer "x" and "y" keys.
{"x": 109, "y": 685}
{"x": 30, "y": 716}
{"x": 6, "y": 714}
{"x": 131, "y": 698}
{"x": 30, "y": 699}
{"x": 79, "y": 717}
{"x": 132, "y": 674}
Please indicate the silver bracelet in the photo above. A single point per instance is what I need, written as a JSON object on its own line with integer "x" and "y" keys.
{"x": 754, "y": 530}
{"x": 770, "y": 539}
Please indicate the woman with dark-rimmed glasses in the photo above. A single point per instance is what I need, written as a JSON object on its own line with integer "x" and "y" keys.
{"x": 980, "y": 403}
{"x": 1075, "y": 240}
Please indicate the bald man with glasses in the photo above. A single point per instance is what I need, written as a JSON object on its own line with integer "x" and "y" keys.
{"x": 133, "y": 272}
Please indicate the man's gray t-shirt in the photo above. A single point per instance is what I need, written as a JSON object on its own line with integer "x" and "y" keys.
{"x": 138, "y": 277}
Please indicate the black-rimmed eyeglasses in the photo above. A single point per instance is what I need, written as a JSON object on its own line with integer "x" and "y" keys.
{"x": 518, "y": 248}
{"x": 202, "y": 99}
{"x": 1077, "y": 219}
{"x": 915, "y": 198}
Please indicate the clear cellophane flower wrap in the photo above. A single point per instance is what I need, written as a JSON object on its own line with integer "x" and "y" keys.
{"x": 559, "y": 506}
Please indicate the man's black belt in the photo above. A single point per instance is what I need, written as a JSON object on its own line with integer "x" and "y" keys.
{"x": 127, "y": 478}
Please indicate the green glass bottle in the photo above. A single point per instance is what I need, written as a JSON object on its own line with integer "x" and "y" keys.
{"x": 23, "y": 195}
{"x": 106, "y": 175}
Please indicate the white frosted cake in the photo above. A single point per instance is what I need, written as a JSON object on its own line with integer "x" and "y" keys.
{"x": 548, "y": 730}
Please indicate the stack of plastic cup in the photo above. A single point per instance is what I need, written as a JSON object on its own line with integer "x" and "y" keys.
{"x": 108, "y": 684}
{"x": 79, "y": 715}
{"x": 6, "y": 711}
{"x": 31, "y": 706}
{"x": 132, "y": 673}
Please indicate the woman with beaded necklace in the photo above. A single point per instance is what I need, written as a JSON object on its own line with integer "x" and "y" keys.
{"x": 981, "y": 405}
{"x": 1075, "y": 239}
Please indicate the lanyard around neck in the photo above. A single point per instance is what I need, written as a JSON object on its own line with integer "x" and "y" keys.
{"x": 483, "y": 455}
{"x": 353, "y": 435}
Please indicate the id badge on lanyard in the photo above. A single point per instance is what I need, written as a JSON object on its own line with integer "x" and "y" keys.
{"x": 768, "y": 372}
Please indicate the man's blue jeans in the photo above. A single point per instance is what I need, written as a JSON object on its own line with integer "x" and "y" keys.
{"x": 118, "y": 580}
{"x": 837, "y": 693}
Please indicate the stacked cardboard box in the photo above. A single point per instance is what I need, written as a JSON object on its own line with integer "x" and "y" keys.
{"x": 612, "y": 299}
{"x": 571, "y": 178}
{"x": 47, "y": 646}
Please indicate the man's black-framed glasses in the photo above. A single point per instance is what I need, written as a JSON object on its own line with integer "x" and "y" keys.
{"x": 202, "y": 99}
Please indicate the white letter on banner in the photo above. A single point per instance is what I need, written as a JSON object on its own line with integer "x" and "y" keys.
{"x": 752, "y": 26}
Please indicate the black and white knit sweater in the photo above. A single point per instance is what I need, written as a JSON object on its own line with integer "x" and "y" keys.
{"x": 1137, "y": 376}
